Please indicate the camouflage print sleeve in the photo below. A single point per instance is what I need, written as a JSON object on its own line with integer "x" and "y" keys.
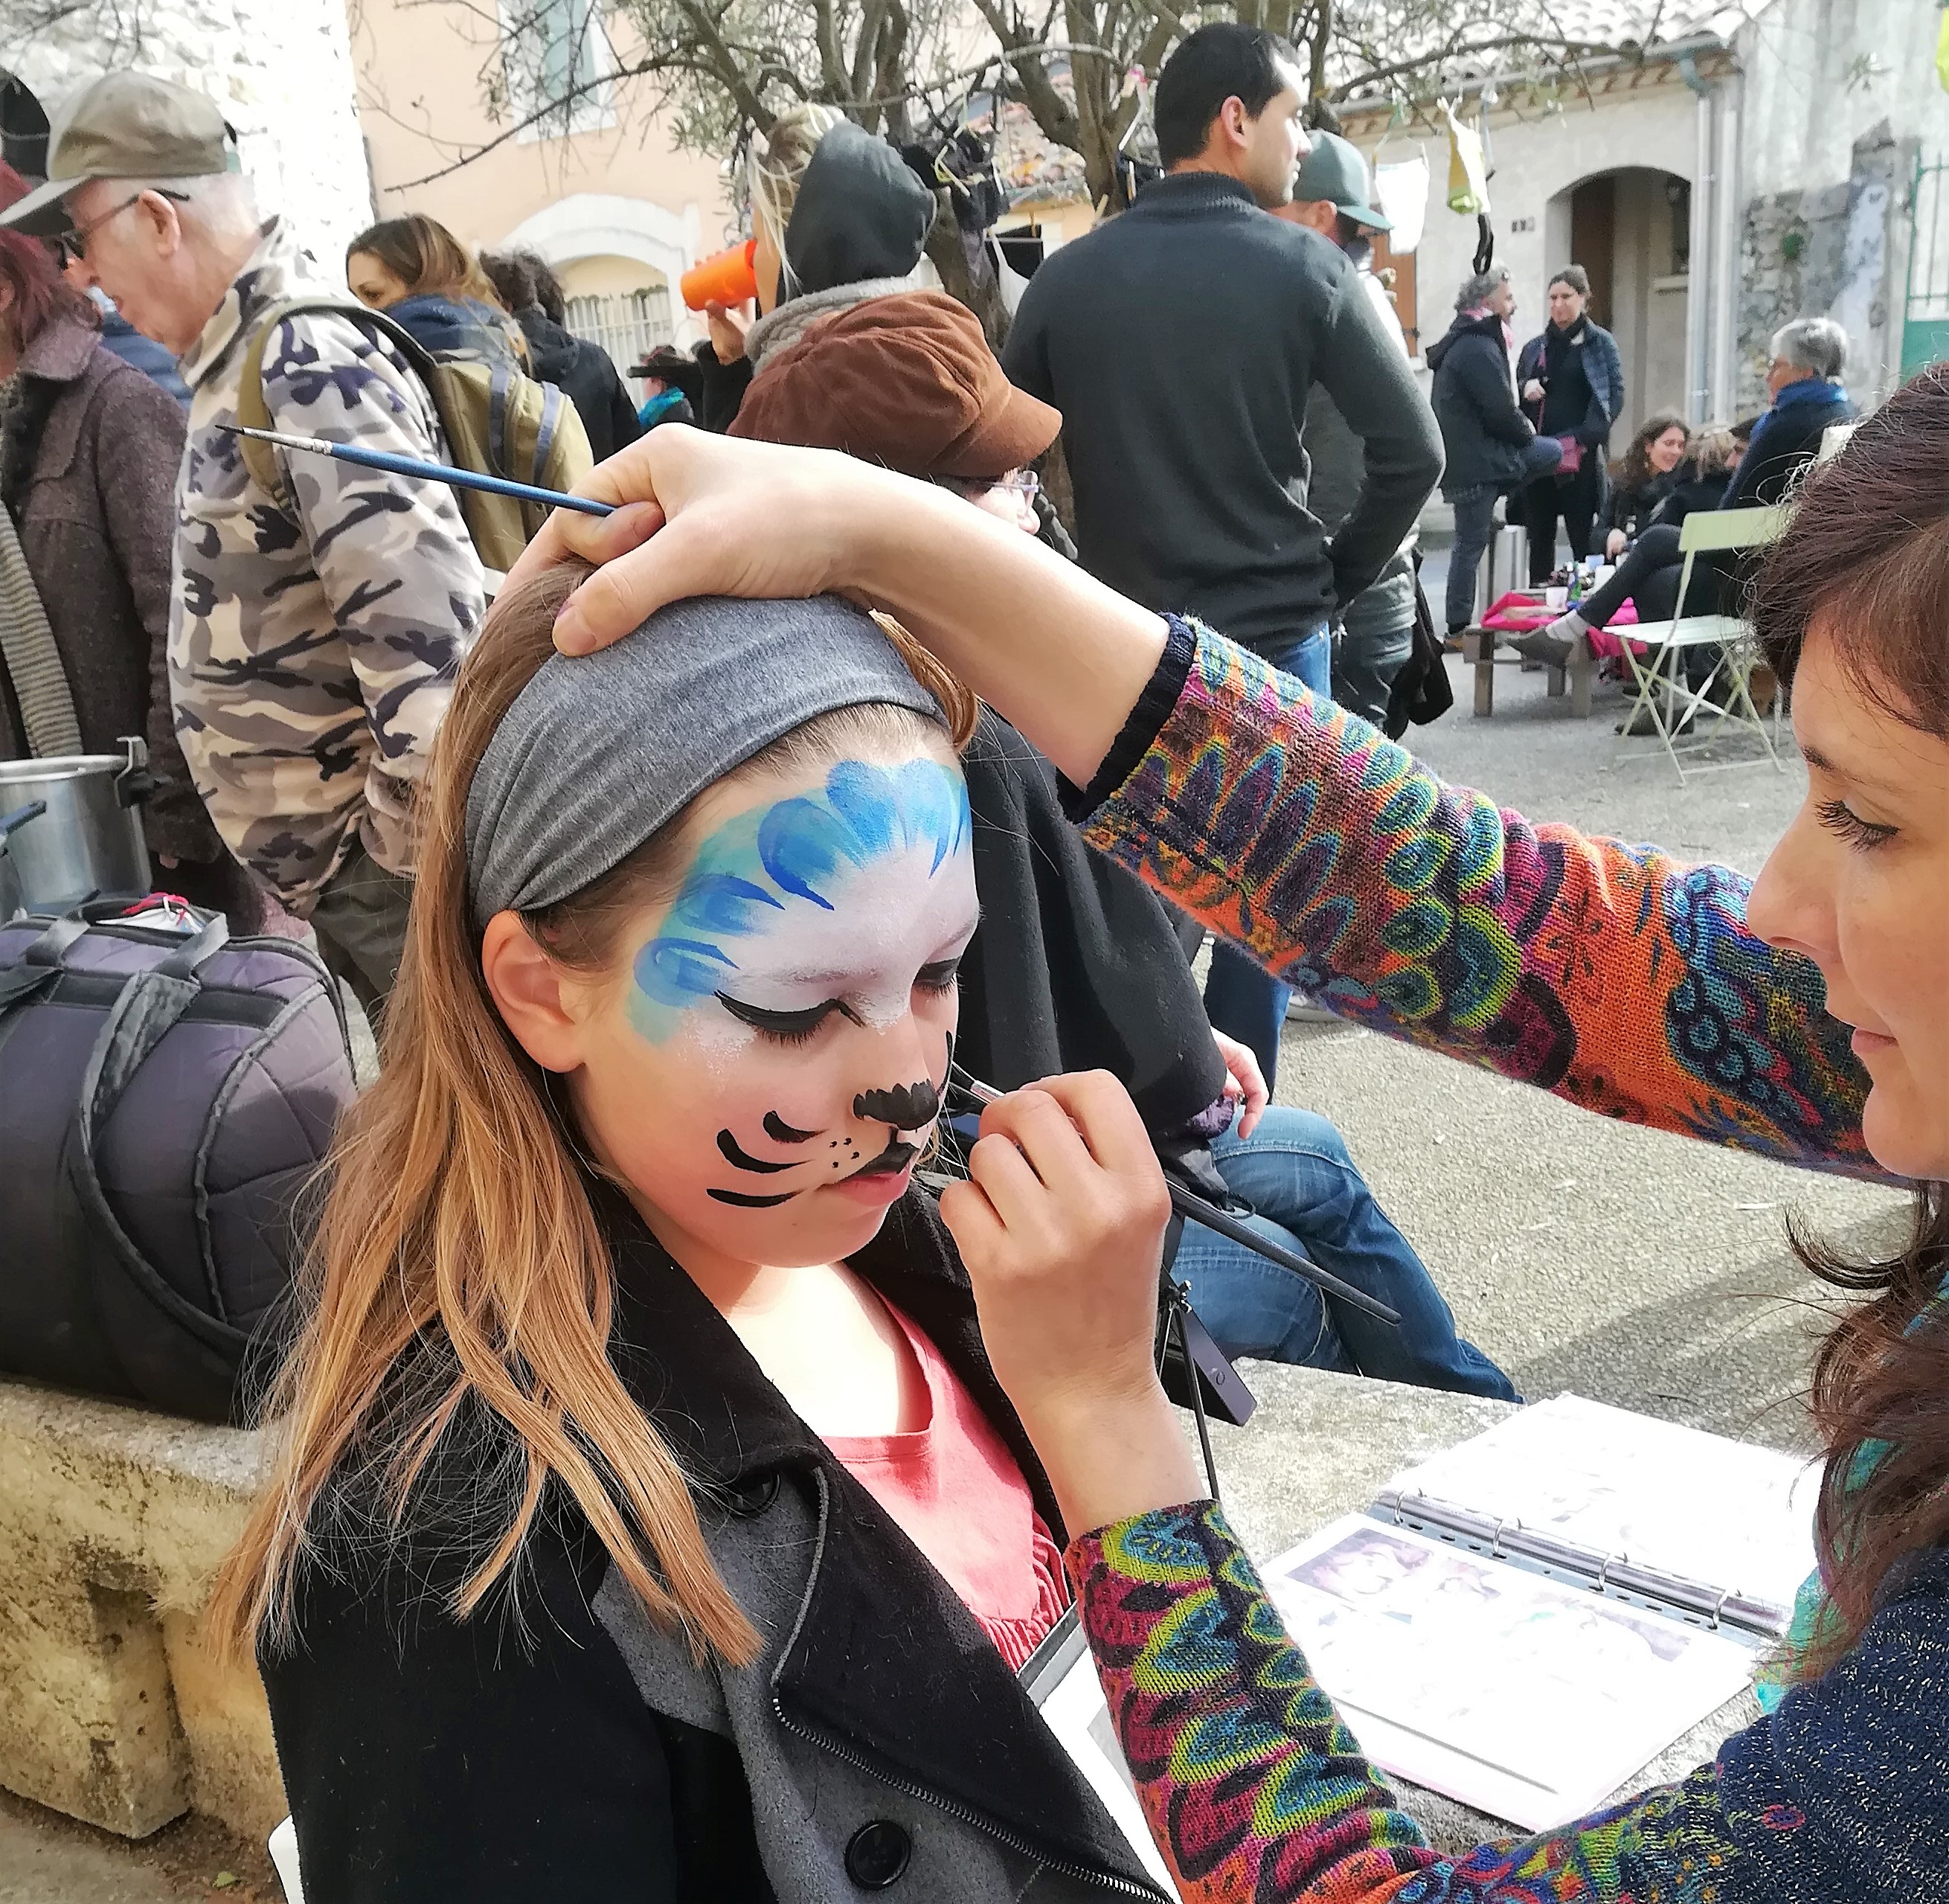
{"x": 392, "y": 554}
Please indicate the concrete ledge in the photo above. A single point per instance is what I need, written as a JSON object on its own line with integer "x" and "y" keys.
{"x": 112, "y": 1522}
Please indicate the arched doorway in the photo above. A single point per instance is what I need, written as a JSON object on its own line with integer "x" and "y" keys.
{"x": 1630, "y": 229}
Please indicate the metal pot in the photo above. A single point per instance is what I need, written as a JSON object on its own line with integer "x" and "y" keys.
{"x": 89, "y": 841}
{"x": 13, "y": 897}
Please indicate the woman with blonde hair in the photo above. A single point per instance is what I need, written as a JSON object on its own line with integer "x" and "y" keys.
{"x": 645, "y": 1522}
{"x": 838, "y": 217}
{"x": 431, "y": 285}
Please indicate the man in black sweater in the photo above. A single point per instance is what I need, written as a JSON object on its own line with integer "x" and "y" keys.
{"x": 1179, "y": 342}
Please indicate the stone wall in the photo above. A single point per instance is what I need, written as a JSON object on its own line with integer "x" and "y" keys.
{"x": 1839, "y": 96}
{"x": 281, "y": 69}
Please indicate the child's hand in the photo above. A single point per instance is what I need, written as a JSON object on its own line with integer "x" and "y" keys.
{"x": 1061, "y": 1227}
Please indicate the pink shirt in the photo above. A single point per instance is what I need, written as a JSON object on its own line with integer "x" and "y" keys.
{"x": 956, "y": 1491}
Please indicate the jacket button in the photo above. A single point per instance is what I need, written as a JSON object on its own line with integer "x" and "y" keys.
{"x": 751, "y": 1496}
{"x": 877, "y": 1854}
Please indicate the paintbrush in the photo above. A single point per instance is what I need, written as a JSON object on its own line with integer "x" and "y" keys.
{"x": 1195, "y": 1209}
{"x": 396, "y": 465}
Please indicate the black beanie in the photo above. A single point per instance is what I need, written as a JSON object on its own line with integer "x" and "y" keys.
{"x": 860, "y": 213}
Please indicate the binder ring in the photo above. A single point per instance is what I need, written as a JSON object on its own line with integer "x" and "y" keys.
{"x": 1496, "y": 1541}
{"x": 1603, "y": 1571}
{"x": 1719, "y": 1607}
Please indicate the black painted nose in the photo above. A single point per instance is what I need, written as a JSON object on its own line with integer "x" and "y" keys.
{"x": 906, "y": 1107}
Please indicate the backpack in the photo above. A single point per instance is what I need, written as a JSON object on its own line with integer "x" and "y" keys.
{"x": 498, "y": 420}
{"x": 166, "y": 1099}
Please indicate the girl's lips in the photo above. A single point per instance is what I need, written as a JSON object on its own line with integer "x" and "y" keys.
{"x": 876, "y": 1187}
{"x": 1866, "y": 1043}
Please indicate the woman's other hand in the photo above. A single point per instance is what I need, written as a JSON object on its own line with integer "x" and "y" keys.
{"x": 728, "y": 323}
{"x": 1533, "y": 392}
{"x": 1615, "y": 544}
{"x": 1245, "y": 1082}
{"x": 1061, "y": 1225}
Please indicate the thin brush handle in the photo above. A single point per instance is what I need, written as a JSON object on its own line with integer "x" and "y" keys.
{"x": 395, "y": 465}
{"x": 1194, "y": 1209}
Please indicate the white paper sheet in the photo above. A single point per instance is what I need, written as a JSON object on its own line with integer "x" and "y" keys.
{"x": 1723, "y": 1513}
{"x": 1529, "y": 1701}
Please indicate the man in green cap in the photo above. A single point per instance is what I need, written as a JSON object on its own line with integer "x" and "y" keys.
{"x": 1331, "y": 195}
{"x": 315, "y": 632}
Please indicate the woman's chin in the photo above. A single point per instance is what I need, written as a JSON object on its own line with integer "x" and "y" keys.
{"x": 1906, "y": 1137}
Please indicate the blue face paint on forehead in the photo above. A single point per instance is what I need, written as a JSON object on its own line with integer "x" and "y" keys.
{"x": 752, "y": 872}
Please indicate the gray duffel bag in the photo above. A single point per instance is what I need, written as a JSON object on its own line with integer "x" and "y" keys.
{"x": 166, "y": 1100}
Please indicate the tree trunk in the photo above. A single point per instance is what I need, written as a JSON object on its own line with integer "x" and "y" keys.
{"x": 949, "y": 257}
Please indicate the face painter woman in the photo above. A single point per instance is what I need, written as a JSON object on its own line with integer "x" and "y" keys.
{"x": 1803, "y": 1015}
{"x": 647, "y": 1522}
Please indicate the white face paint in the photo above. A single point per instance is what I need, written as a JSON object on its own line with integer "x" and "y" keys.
{"x": 783, "y": 1036}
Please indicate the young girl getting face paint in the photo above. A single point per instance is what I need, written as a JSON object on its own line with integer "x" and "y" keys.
{"x": 767, "y": 1063}
{"x": 630, "y": 1330}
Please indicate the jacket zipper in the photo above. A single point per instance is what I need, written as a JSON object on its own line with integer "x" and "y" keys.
{"x": 1122, "y": 1886}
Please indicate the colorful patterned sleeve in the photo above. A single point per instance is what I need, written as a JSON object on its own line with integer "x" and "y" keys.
{"x": 1257, "y": 1793}
{"x": 1615, "y": 976}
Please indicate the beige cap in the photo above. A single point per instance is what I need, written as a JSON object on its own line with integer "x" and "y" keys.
{"x": 124, "y": 126}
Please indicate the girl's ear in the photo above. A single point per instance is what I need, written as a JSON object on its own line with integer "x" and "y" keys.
{"x": 526, "y": 985}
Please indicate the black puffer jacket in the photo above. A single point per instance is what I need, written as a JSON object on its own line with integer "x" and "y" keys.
{"x": 584, "y": 373}
{"x": 1482, "y": 429}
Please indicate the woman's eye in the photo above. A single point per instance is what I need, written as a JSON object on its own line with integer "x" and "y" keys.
{"x": 938, "y": 977}
{"x": 785, "y": 1028}
{"x": 1842, "y": 820}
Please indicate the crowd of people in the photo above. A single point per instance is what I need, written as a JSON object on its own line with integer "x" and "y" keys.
{"x": 666, "y": 1489}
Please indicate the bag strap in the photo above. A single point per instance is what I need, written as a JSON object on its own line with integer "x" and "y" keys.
{"x": 42, "y": 963}
{"x": 34, "y": 663}
{"x": 254, "y": 412}
{"x": 144, "y": 1012}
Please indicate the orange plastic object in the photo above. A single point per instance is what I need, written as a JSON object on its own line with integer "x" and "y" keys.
{"x": 728, "y": 279}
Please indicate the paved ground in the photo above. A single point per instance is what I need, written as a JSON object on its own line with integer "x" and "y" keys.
{"x": 1638, "y": 1268}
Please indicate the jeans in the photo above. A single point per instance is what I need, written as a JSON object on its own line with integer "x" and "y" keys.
{"x": 1295, "y": 1171}
{"x": 1241, "y": 998}
{"x": 1476, "y": 526}
{"x": 1575, "y": 500}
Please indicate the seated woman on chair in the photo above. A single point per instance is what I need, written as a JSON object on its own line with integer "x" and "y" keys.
{"x": 1809, "y": 356}
{"x": 1642, "y": 478}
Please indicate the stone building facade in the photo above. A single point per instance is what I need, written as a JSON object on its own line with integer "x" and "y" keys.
{"x": 1758, "y": 162}
{"x": 281, "y": 70}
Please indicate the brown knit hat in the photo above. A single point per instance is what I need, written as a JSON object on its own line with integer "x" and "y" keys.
{"x": 907, "y": 381}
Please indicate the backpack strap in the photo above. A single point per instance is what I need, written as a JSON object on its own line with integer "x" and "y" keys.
{"x": 42, "y": 963}
{"x": 261, "y": 459}
{"x": 545, "y": 431}
{"x": 148, "y": 1007}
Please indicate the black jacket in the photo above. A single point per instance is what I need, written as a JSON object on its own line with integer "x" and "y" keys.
{"x": 1788, "y": 438}
{"x": 1688, "y": 492}
{"x": 1482, "y": 429}
{"x": 1632, "y": 506}
{"x": 511, "y": 1760}
{"x": 1179, "y": 342}
{"x": 1076, "y": 966}
{"x": 587, "y": 375}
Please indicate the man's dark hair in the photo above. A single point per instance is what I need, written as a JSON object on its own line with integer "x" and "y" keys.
{"x": 1216, "y": 64}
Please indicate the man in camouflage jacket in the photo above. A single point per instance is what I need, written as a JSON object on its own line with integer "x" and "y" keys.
{"x": 314, "y": 636}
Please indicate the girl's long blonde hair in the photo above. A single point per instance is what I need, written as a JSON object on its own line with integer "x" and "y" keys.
{"x": 458, "y": 1243}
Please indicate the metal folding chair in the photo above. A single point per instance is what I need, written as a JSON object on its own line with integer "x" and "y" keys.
{"x": 1664, "y": 696}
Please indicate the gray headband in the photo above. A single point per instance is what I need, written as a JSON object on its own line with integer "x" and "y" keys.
{"x": 599, "y": 752}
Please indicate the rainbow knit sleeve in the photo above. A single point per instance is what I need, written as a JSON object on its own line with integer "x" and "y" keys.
{"x": 1613, "y": 975}
{"x": 1256, "y": 1792}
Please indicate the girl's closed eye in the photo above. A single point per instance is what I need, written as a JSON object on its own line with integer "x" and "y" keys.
{"x": 1841, "y": 820}
{"x": 939, "y": 976}
{"x": 785, "y": 1027}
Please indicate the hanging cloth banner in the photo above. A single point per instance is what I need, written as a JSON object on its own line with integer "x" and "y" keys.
{"x": 1468, "y": 172}
{"x": 1942, "y": 49}
{"x": 1401, "y": 189}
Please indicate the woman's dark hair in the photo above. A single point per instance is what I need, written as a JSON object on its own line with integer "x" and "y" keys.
{"x": 1866, "y": 553}
{"x": 1576, "y": 277}
{"x": 1634, "y": 468}
{"x": 525, "y": 278}
{"x": 425, "y": 256}
{"x": 1220, "y": 62}
{"x": 30, "y": 269}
